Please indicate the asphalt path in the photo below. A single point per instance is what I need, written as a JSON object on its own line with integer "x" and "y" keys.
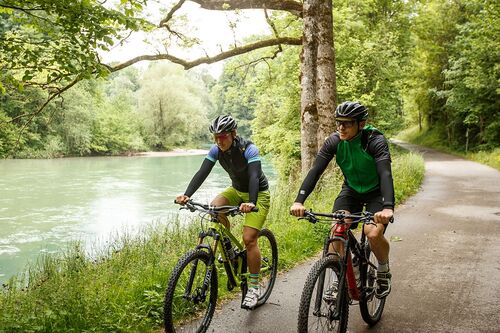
{"x": 445, "y": 261}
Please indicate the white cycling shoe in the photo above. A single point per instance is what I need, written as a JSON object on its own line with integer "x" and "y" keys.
{"x": 251, "y": 299}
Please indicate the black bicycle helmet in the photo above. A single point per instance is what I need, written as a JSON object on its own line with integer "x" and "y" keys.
{"x": 223, "y": 124}
{"x": 351, "y": 110}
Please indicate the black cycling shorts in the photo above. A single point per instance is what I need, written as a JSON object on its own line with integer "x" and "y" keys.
{"x": 354, "y": 202}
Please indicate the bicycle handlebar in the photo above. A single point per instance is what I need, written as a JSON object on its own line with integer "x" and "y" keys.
{"x": 194, "y": 206}
{"x": 365, "y": 217}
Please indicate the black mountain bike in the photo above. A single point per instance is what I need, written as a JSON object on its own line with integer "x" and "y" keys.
{"x": 331, "y": 284}
{"x": 192, "y": 290}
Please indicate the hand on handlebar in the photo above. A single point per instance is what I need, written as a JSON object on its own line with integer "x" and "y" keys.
{"x": 247, "y": 207}
{"x": 384, "y": 216}
{"x": 181, "y": 199}
{"x": 297, "y": 209}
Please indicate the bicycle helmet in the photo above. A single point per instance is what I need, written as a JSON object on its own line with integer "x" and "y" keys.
{"x": 223, "y": 124}
{"x": 351, "y": 110}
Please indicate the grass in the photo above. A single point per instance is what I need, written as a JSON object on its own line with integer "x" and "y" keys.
{"x": 121, "y": 289}
{"x": 432, "y": 139}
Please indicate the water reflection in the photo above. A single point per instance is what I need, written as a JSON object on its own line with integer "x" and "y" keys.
{"x": 45, "y": 203}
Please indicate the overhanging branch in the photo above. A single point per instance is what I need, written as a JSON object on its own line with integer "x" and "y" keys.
{"x": 210, "y": 60}
{"x": 291, "y": 6}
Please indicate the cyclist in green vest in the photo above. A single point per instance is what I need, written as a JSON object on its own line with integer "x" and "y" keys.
{"x": 362, "y": 153}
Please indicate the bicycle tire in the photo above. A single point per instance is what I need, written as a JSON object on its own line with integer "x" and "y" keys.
{"x": 323, "y": 274}
{"x": 269, "y": 260}
{"x": 196, "y": 315}
{"x": 370, "y": 306}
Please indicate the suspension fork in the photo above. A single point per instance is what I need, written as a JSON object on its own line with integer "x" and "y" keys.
{"x": 210, "y": 264}
{"x": 321, "y": 279}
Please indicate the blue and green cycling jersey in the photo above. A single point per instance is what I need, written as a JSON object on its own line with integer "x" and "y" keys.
{"x": 242, "y": 163}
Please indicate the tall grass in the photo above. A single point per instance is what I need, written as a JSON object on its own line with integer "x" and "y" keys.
{"x": 121, "y": 289}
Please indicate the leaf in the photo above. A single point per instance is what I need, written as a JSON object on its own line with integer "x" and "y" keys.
{"x": 396, "y": 239}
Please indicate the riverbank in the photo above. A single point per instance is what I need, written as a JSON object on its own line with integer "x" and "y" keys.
{"x": 175, "y": 152}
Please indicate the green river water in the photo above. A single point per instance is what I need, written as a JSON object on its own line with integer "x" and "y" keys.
{"x": 46, "y": 203}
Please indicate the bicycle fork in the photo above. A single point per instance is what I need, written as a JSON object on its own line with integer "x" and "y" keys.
{"x": 200, "y": 293}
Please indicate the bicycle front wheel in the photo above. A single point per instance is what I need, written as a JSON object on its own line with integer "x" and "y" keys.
{"x": 269, "y": 264}
{"x": 324, "y": 304}
{"x": 191, "y": 294}
{"x": 370, "y": 306}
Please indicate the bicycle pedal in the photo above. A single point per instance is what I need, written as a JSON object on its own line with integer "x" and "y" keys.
{"x": 244, "y": 307}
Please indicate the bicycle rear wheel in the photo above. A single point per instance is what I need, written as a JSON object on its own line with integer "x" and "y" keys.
{"x": 269, "y": 264}
{"x": 370, "y": 306}
{"x": 187, "y": 305}
{"x": 322, "y": 298}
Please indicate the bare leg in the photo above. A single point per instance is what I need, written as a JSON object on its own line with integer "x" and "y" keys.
{"x": 250, "y": 236}
{"x": 378, "y": 243}
{"x": 222, "y": 201}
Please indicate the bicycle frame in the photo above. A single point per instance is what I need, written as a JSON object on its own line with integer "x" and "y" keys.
{"x": 218, "y": 231}
{"x": 342, "y": 233}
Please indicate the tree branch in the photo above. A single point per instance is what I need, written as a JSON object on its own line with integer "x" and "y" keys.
{"x": 21, "y": 8}
{"x": 40, "y": 109}
{"x": 171, "y": 13}
{"x": 209, "y": 60}
{"x": 291, "y": 6}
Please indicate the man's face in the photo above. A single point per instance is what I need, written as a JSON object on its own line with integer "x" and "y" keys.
{"x": 224, "y": 140}
{"x": 348, "y": 128}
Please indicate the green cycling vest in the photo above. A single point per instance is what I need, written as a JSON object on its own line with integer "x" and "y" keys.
{"x": 358, "y": 167}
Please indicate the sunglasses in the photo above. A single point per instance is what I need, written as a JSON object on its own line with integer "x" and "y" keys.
{"x": 222, "y": 136}
{"x": 345, "y": 123}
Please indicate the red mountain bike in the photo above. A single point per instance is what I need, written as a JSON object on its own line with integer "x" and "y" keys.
{"x": 332, "y": 284}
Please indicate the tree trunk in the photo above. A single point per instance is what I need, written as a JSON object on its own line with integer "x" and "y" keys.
{"x": 308, "y": 81}
{"x": 318, "y": 97}
{"x": 325, "y": 78}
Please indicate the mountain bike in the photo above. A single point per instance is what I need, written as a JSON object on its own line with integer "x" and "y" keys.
{"x": 332, "y": 283}
{"x": 192, "y": 290}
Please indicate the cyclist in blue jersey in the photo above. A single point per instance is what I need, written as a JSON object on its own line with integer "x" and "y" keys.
{"x": 362, "y": 153}
{"x": 241, "y": 160}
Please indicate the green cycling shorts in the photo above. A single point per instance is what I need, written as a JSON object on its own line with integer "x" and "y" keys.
{"x": 255, "y": 219}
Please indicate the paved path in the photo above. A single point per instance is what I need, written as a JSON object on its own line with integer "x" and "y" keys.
{"x": 446, "y": 268}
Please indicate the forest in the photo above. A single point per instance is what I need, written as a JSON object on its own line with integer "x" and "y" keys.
{"x": 430, "y": 65}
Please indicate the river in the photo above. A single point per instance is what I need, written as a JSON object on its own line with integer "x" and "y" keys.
{"x": 46, "y": 203}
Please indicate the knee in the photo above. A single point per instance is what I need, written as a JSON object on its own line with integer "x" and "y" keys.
{"x": 219, "y": 201}
{"x": 375, "y": 234}
{"x": 250, "y": 241}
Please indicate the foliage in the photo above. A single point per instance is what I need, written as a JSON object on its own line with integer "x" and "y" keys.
{"x": 453, "y": 84}
{"x": 371, "y": 43}
{"x": 48, "y": 42}
{"x": 173, "y": 107}
{"x": 108, "y": 117}
{"x": 472, "y": 79}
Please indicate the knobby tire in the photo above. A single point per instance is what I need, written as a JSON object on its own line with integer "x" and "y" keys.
{"x": 195, "y": 317}
{"x": 371, "y": 307}
{"x": 328, "y": 270}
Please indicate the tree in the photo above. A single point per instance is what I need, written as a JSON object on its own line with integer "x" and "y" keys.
{"x": 171, "y": 107}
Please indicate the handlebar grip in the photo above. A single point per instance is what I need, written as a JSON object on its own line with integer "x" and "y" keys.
{"x": 255, "y": 209}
